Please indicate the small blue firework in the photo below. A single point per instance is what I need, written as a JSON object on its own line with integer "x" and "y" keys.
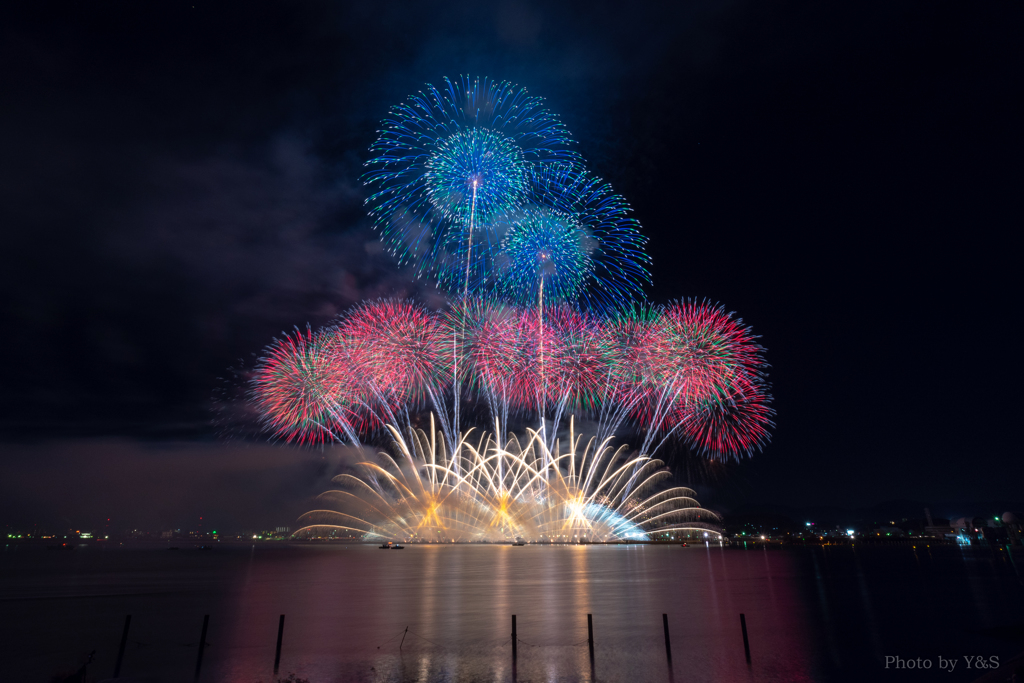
{"x": 451, "y": 165}
{"x": 578, "y": 237}
{"x": 546, "y": 255}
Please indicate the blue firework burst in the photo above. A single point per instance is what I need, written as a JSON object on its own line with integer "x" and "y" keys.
{"x": 578, "y": 236}
{"x": 546, "y": 254}
{"x": 451, "y": 165}
{"x": 475, "y": 175}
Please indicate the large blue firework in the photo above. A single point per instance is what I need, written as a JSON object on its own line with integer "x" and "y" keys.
{"x": 451, "y": 165}
{"x": 575, "y": 235}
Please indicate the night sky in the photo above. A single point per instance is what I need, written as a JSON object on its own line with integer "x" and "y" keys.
{"x": 180, "y": 182}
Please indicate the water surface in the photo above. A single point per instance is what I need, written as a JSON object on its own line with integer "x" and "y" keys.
{"x": 443, "y": 613}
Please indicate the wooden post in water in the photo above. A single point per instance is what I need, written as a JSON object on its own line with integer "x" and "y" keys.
{"x": 515, "y": 641}
{"x": 202, "y": 645}
{"x": 746, "y": 643}
{"x": 668, "y": 647}
{"x": 280, "y": 636}
{"x": 515, "y": 649}
{"x": 124, "y": 641}
{"x": 590, "y": 641}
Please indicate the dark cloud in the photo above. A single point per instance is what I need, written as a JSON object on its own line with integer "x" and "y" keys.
{"x": 220, "y": 252}
{"x": 277, "y": 236}
{"x": 163, "y": 485}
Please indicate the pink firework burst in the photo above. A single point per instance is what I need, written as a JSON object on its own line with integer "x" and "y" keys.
{"x": 578, "y": 370}
{"x": 485, "y": 335}
{"x": 636, "y": 341}
{"x": 305, "y": 392}
{"x": 396, "y": 346}
{"x": 713, "y": 364}
{"x": 735, "y": 420}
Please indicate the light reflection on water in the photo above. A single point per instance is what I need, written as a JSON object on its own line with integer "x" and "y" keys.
{"x": 457, "y": 603}
{"x": 812, "y": 614}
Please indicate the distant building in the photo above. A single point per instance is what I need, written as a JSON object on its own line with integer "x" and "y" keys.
{"x": 998, "y": 530}
{"x": 1013, "y": 527}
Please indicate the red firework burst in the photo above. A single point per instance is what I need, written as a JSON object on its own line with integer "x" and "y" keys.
{"x": 485, "y": 335}
{"x": 396, "y": 348}
{"x": 304, "y": 392}
{"x": 713, "y": 363}
{"x": 577, "y": 369}
{"x": 636, "y": 342}
{"x": 734, "y": 421}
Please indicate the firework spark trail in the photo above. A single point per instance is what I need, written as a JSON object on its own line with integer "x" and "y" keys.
{"x": 395, "y": 343}
{"x": 504, "y": 492}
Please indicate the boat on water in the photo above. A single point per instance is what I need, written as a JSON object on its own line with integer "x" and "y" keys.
{"x": 392, "y": 546}
{"x": 519, "y": 543}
